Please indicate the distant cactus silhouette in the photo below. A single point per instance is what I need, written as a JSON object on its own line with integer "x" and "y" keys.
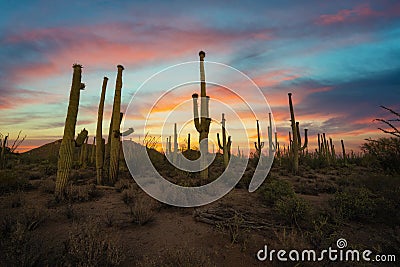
{"x": 68, "y": 142}
{"x": 115, "y": 144}
{"x": 175, "y": 152}
{"x": 258, "y": 145}
{"x": 272, "y": 146}
{"x": 202, "y": 124}
{"x": 226, "y": 144}
{"x": 296, "y": 143}
{"x": 100, "y": 142}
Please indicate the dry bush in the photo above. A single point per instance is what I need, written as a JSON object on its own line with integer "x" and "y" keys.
{"x": 236, "y": 229}
{"x": 18, "y": 248}
{"x": 88, "y": 246}
{"x": 81, "y": 193}
{"x": 142, "y": 211}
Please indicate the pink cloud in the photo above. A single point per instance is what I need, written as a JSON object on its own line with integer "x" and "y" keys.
{"x": 348, "y": 15}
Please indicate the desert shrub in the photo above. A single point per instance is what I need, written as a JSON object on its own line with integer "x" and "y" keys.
{"x": 88, "y": 246}
{"x": 141, "y": 211}
{"x": 355, "y": 204}
{"x": 186, "y": 257}
{"x": 276, "y": 189}
{"x": 293, "y": 209}
{"x": 384, "y": 152}
{"x": 11, "y": 182}
{"x": 32, "y": 217}
{"x": 128, "y": 196}
{"x": 322, "y": 231}
{"x": 236, "y": 229}
{"x": 123, "y": 184}
{"x": 18, "y": 248}
{"x": 81, "y": 193}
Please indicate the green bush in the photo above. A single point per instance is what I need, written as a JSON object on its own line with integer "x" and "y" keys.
{"x": 384, "y": 152}
{"x": 293, "y": 209}
{"x": 355, "y": 204}
{"x": 276, "y": 189}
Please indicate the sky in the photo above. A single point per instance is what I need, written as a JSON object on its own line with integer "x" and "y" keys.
{"x": 340, "y": 59}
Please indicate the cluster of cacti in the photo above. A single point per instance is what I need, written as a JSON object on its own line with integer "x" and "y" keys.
{"x": 68, "y": 142}
{"x": 226, "y": 143}
{"x": 258, "y": 145}
{"x": 295, "y": 144}
{"x": 202, "y": 123}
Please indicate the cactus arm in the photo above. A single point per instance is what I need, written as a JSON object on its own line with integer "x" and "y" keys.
{"x": 219, "y": 142}
{"x": 305, "y": 139}
{"x": 128, "y": 132}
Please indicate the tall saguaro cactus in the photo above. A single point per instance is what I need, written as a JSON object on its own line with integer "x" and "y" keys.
{"x": 115, "y": 135}
{"x": 258, "y": 145}
{"x": 226, "y": 144}
{"x": 296, "y": 144}
{"x": 99, "y": 135}
{"x": 271, "y": 145}
{"x": 68, "y": 143}
{"x": 202, "y": 124}
{"x": 175, "y": 152}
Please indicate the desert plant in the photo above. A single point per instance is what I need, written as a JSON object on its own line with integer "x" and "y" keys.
{"x": 355, "y": 204}
{"x": 202, "y": 124}
{"x": 100, "y": 142}
{"x": 272, "y": 146}
{"x": 293, "y": 209}
{"x": 68, "y": 142}
{"x": 88, "y": 246}
{"x": 19, "y": 248}
{"x": 296, "y": 145}
{"x": 384, "y": 153}
{"x": 115, "y": 144}
{"x": 276, "y": 189}
{"x": 141, "y": 212}
{"x": 258, "y": 145}
{"x": 226, "y": 143}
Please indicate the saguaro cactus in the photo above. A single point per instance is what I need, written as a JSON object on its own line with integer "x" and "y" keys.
{"x": 226, "y": 144}
{"x": 115, "y": 135}
{"x": 344, "y": 153}
{"x": 68, "y": 142}
{"x": 271, "y": 145}
{"x": 202, "y": 124}
{"x": 175, "y": 152}
{"x": 100, "y": 142}
{"x": 188, "y": 142}
{"x": 258, "y": 145}
{"x": 3, "y": 153}
{"x": 296, "y": 144}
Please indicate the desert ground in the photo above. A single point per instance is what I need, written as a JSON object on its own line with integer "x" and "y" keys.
{"x": 122, "y": 226}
